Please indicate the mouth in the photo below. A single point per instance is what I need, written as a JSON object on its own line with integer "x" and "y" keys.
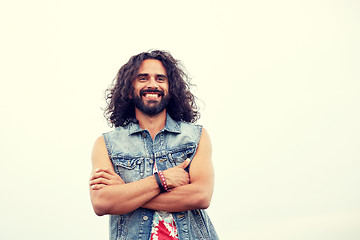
{"x": 152, "y": 95}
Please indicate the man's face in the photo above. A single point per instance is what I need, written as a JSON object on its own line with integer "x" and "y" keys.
{"x": 151, "y": 87}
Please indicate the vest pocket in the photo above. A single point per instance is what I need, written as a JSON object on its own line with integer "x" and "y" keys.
{"x": 128, "y": 168}
{"x": 180, "y": 154}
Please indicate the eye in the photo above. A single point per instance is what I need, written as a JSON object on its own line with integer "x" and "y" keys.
{"x": 161, "y": 79}
{"x": 142, "y": 78}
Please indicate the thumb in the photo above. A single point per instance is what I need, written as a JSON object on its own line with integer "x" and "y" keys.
{"x": 184, "y": 164}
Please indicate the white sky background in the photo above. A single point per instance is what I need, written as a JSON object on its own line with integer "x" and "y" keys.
{"x": 280, "y": 91}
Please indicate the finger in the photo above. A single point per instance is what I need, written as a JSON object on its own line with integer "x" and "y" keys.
{"x": 184, "y": 164}
{"x": 101, "y": 174}
{"x": 99, "y": 181}
{"x": 97, "y": 186}
{"x": 106, "y": 170}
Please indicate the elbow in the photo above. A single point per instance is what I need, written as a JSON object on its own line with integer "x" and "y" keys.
{"x": 202, "y": 201}
{"x": 205, "y": 203}
{"x": 102, "y": 210}
{"x": 99, "y": 210}
{"x": 103, "y": 205}
{"x": 100, "y": 205}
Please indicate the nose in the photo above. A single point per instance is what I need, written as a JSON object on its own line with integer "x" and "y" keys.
{"x": 152, "y": 83}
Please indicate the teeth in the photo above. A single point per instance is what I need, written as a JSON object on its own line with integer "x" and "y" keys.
{"x": 151, "y": 95}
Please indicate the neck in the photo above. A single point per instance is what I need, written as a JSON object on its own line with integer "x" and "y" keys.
{"x": 151, "y": 123}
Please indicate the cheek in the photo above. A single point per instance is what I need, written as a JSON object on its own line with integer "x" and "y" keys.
{"x": 166, "y": 87}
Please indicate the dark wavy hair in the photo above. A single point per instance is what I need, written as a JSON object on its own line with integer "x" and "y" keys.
{"x": 120, "y": 108}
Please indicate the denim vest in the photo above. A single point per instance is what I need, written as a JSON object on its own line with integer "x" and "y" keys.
{"x": 133, "y": 152}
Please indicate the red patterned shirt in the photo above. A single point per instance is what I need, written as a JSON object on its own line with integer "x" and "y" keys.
{"x": 163, "y": 227}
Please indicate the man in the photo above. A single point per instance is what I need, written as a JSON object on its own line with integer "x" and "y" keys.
{"x": 153, "y": 174}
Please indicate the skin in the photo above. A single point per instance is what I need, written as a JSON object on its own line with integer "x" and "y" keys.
{"x": 110, "y": 195}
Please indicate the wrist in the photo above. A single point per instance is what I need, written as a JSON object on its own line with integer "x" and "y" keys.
{"x": 161, "y": 181}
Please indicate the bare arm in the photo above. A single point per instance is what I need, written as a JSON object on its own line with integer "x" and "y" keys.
{"x": 116, "y": 198}
{"x": 197, "y": 194}
{"x": 110, "y": 195}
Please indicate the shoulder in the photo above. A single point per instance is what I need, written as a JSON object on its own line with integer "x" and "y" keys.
{"x": 99, "y": 148}
{"x": 115, "y": 131}
{"x": 113, "y": 138}
{"x": 205, "y": 139}
{"x": 186, "y": 133}
{"x": 190, "y": 128}
{"x": 188, "y": 125}
{"x": 99, "y": 155}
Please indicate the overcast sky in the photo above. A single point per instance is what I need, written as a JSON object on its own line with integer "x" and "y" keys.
{"x": 279, "y": 88}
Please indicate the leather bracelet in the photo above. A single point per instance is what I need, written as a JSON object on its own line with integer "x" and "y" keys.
{"x": 163, "y": 181}
{"x": 162, "y": 189}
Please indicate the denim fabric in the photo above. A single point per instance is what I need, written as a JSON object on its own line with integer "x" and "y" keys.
{"x": 133, "y": 152}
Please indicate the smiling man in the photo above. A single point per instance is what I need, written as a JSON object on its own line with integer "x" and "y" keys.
{"x": 153, "y": 173}
{"x": 151, "y": 88}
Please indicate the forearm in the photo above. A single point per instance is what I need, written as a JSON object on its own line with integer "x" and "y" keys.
{"x": 123, "y": 198}
{"x": 184, "y": 198}
{"x": 110, "y": 195}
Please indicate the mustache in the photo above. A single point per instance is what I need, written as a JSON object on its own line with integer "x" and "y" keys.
{"x": 143, "y": 91}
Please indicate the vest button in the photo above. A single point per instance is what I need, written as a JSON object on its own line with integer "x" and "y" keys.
{"x": 145, "y": 218}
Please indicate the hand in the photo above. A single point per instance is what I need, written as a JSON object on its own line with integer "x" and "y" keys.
{"x": 104, "y": 177}
{"x": 177, "y": 176}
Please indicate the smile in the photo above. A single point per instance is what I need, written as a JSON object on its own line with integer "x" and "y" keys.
{"x": 152, "y": 95}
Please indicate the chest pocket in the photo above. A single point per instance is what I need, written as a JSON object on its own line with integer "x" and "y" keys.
{"x": 180, "y": 154}
{"x": 128, "y": 168}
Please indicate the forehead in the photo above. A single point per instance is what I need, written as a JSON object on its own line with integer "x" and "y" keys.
{"x": 152, "y": 66}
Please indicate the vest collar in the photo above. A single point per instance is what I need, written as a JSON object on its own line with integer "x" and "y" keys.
{"x": 170, "y": 126}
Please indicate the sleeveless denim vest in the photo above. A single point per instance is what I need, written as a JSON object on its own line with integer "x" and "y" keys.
{"x": 133, "y": 152}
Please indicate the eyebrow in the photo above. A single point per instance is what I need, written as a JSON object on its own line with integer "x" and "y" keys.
{"x": 161, "y": 75}
{"x": 146, "y": 74}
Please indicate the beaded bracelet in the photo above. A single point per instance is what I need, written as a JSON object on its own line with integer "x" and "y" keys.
{"x": 163, "y": 181}
{"x": 162, "y": 189}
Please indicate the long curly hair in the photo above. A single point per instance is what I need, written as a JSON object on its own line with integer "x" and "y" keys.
{"x": 120, "y": 109}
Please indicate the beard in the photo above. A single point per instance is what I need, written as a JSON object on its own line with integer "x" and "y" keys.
{"x": 153, "y": 107}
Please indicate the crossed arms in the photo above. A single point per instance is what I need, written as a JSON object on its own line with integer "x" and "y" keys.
{"x": 110, "y": 195}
